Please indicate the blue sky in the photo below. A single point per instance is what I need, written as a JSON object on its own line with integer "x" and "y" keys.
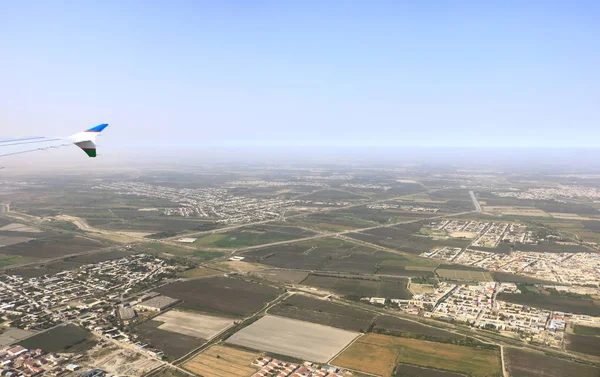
{"x": 261, "y": 73}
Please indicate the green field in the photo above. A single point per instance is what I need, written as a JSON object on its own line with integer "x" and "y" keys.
{"x": 201, "y": 255}
{"x": 458, "y": 274}
{"x": 12, "y": 260}
{"x": 379, "y": 354}
{"x": 586, "y": 330}
{"x": 252, "y": 236}
{"x": 360, "y": 287}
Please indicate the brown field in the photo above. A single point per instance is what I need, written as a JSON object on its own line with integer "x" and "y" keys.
{"x": 223, "y": 361}
{"x": 192, "y": 324}
{"x": 199, "y": 272}
{"x": 299, "y": 339}
{"x": 221, "y": 295}
{"x": 464, "y": 275}
{"x": 379, "y": 354}
{"x": 283, "y": 276}
{"x": 521, "y": 363}
{"x": 516, "y": 211}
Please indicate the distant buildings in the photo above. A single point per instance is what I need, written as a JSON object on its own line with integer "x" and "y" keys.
{"x": 157, "y": 304}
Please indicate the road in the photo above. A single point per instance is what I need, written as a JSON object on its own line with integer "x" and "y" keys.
{"x": 475, "y": 202}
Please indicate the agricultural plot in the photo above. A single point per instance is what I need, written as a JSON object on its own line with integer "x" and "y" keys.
{"x": 67, "y": 338}
{"x": 331, "y": 196}
{"x": 221, "y": 295}
{"x": 397, "y": 326}
{"x": 590, "y": 345}
{"x": 51, "y": 247}
{"x": 406, "y": 370}
{"x": 173, "y": 344}
{"x": 282, "y": 276}
{"x": 360, "y": 287}
{"x": 162, "y": 248}
{"x": 302, "y": 340}
{"x": 17, "y": 227}
{"x": 12, "y": 240}
{"x": 511, "y": 278}
{"x": 379, "y": 354}
{"x": 312, "y": 255}
{"x": 383, "y": 216}
{"x": 406, "y": 238}
{"x": 323, "y": 312}
{"x": 223, "y": 361}
{"x": 192, "y": 324}
{"x": 12, "y": 335}
{"x": 99, "y": 257}
{"x": 556, "y": 302}
{"x": 332, "y": 221}
{"x": 458, "y": 274}
{"x": 252, "y": 236}
{"x": 521, "y": 363}
{"x": 199, "y": 272}
{"x": 12, "y": 260}
{"x": 586, "y": 330}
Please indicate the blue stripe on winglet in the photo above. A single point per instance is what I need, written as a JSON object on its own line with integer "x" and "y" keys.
{"x": 98, "y": 128}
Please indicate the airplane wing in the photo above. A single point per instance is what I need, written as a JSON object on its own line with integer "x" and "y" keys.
{"x": 86, "y": 140}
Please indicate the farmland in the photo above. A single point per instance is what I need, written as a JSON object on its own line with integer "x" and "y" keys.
{"x": 221, "y": 295}
{"x": 332, "y": 221}
{"x": 459, "y": 274}
{"x": 51, "y": 247}
{"x": 173, "y": 344}
{"x": 331, "y": 196}
{"x": 333, "y": 254}
{"x": 402, "y": 327}
{"x": 303, "y": 340}
{"x": 320, "y": 254}
{"x": 354, "y": 286}
{"x": 406, "y": 238}
{"x": 67, "y": 338}
{"x": 282, "y": 276}
{"x": 521, "y": 363}
{"x": 162, "y": 248}
{"x": 252, "y": 236}
{"x": 323, "y": 312}
{"x": 406, "y": 370}
{"x": 378, "y": 354}
{"x": 192, "y": 324}
{"x": 589, "y": 345}
{"x": 586, "y": 330}
{"x": 223, "y": 361}
{"x": 199, "y": 272}
{"x": 554, "y": 301}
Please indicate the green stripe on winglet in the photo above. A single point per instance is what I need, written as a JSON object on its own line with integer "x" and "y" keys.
{"x": 90, "y": 152}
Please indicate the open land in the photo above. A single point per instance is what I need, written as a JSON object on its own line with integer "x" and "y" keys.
{"x": 379, "y": 354}
{"x": 284, "y": 336}
{"x": 402, "y": 327}
{"x": 252, "y": 236}
{"x": 223, "y": 361}
{"x": 12, "y": 335}
{"x": 589, "y": 345}
{"x": 173, "y": 344}
{"x": 68, "y": 338}
{"x": 452, "y": 274}
{"x": 192, "y": 324}
{"x": 323, "y": 312}
{"x": 362, "y": 287}
{"x": 406, "y": 370}
{"x": 221, "y": 295}
{"x": 522, "y": 363}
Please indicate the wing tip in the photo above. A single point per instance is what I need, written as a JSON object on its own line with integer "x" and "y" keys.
{"x": 98, "y": 128}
